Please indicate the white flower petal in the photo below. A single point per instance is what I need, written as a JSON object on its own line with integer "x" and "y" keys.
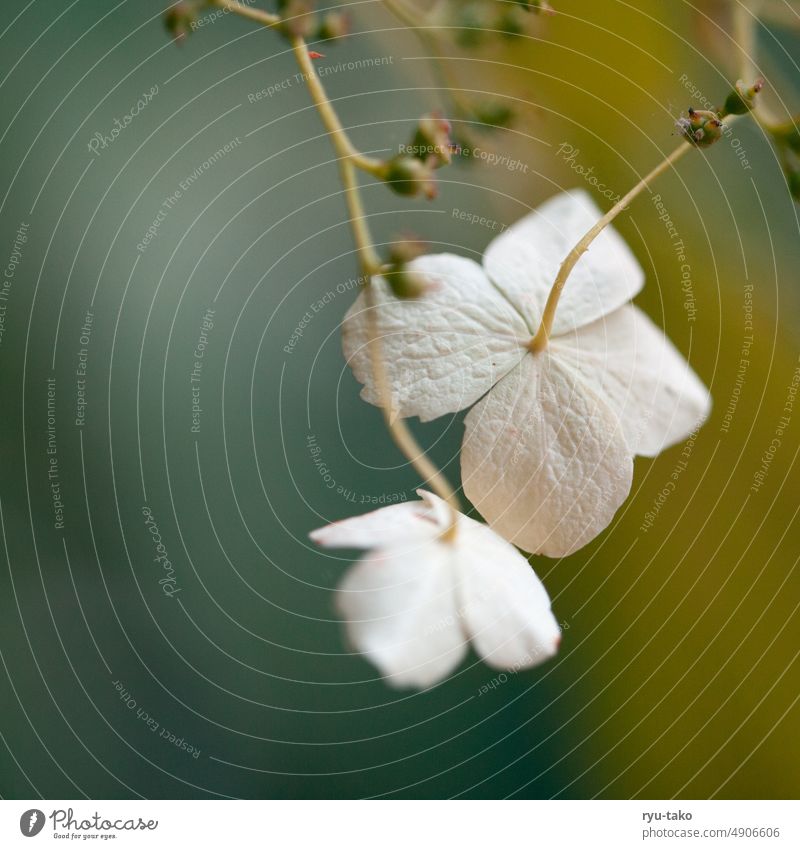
{"x": 629, "y": 361}
{"x": 544, "y": 458}
{"x": 442, "y": 350}
{"x": 400, "y": 608}
{"x": 524, "y": 261}
{"x": 413, "y": 521}
{"x": 505, "y": 607}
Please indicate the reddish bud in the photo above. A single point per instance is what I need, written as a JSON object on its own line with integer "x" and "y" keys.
{"x": 180, "y": 19}
{"x": 702, "y": 127}
{"x": 432, "y": 142}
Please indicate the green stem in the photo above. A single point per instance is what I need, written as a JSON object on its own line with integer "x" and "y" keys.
{"x": 540, "y": 340}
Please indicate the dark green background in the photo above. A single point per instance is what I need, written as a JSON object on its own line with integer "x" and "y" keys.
{"x": 678, "y": 673}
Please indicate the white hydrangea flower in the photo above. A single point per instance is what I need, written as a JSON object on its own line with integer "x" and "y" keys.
{"x": 420, "y": 595}
{"x": 548, "y": 452}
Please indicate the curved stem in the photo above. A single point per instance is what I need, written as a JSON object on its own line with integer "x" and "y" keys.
{"x": 370, "y": 265}
{"x": 365, "y": 163}
{"x": 540, "y": 340}
{"x": 369, "y": 260}
{"x": 349, "y": 160}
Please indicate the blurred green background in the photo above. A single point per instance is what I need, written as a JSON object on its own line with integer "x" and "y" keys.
{"x": 678, "y": 674}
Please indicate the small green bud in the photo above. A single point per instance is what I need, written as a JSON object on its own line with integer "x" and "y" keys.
{"x": 469, "y": 24}
{"x": 405, "y": 283}
{"x": 702, "y": 127}
{"x": 409, "y": 176}
{"x": 334, "y": 25}
{"x": 742, "y": 99}
{"x": 405, "y": 249}
{"x": 509, "y": 24}
{"x": 494, "y": 114}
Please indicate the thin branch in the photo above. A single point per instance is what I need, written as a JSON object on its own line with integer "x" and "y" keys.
{"x": 266, "y": 19}
{"x": 370, "y": 265}
{"x": 540, "y": 340}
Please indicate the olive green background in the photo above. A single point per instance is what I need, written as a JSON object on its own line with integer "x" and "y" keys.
{"x": 678, "y": 674}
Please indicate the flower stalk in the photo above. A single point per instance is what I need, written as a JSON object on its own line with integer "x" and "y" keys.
{"x": 540, "y": 340}
{"x": 370, "y": 263}
{"x": 542, "y": 336}
{"x": 350, "y": 160}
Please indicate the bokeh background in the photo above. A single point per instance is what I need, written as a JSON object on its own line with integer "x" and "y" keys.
{"x": 678, "y": 675}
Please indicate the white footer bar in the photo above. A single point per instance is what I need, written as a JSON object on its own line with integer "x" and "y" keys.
{"x": 402, "y": 824}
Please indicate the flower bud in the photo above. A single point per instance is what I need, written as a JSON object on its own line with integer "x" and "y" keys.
{"x": 742, "y": 99}
{"x": 406, "y": 248}
{"x": 405, "y": 283}
{"x": 298, "y": 19}
{"x": 494, "y": 114}
{"x": 469, "y": 23}
{"x": 432, "y": 142}
{"x": 509, "y": 24}
{"x": 180, "y": 19}
{"x": 334, "y": 25}
{"x": 702, "y": 127}
{"x": 409, "y": 176}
